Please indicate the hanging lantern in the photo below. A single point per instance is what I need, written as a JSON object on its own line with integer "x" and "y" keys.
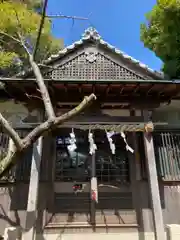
{"x": 111, "y": 144}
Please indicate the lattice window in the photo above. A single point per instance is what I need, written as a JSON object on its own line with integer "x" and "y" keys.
{"x": 101, "y": 68}
{"x": 76, "y": 165}
{"x": 72, "y": 166}
{"x": 115, "y": 198}
{"x": 21, "y": 171}
{"x": 4, "y": 143}
{"x": 167, "y": 151}
{"x": 111, "y": 168}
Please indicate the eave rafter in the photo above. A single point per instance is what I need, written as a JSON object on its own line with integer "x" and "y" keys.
{"x": 126, "y": 95}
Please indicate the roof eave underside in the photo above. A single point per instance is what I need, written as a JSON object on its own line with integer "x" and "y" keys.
{"x": 160, "y": 89}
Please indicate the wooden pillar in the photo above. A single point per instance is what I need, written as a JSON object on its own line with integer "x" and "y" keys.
{"x": 135, "y": 158}
{"x": 31, "y": 213}
{"x": 159, "y": 228}
{"x": 135, "y": 177}
{"x": 134, "y": 167}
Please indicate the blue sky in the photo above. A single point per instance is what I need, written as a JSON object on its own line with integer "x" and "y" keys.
{"x": 117, "y": 21}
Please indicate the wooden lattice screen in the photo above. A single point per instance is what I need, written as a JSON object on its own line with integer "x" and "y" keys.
{"x": 167, "y": 151}
{"x": 115, "y": 204}
{"x": 21, "y": 171}
{"x": 100, "y": 68}
{"x": 4, "y": 143}
{"x": 167, "y": 154}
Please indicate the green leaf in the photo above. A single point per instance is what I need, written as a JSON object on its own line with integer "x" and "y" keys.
{"x": 161, "y": 34}
{"x": 16, "y": 17}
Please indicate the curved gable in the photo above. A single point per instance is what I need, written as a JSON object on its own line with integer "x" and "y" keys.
{"x": 91, "y": 58}
{"x": 93, "y": 64}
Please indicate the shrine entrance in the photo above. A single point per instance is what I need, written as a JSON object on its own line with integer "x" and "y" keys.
{"x": 75, "y": 167}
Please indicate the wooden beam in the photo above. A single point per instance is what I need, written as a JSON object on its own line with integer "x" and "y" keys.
{"x": 136, "y": 156}
{"x": 135, "y": 100}
{"x": 33, "y": 191}
{"x": 105, "y": 81}
{"x": 136, "y": 88}
{"x": 159, "y": 228}
{"x": 104, "y": 118}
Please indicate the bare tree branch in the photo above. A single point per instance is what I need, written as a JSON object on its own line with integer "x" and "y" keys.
{"x": 22, "y": 43}
{"x": 65, "y": 16}
{"x": 40, "y": 27}
{"x": 33, "y": 96}
{"x": 50, "y": 67}
{"x": 8, "y": 161}
{"x": 48, "y": 125}
{"x": 9, "y": 36}
{"x": 13, "y": 154}
{"x": 39, "y": 79}
{"x": 19, "y": 41}
{"x": 43, "y": 89}
{"x": 11, "y": 132}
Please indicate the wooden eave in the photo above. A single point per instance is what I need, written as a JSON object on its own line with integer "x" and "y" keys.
{"x": 107, "y": 91}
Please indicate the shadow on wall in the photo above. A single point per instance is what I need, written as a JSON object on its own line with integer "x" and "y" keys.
{"x": 3, "y": 212}
{"x": 17, "y": 220}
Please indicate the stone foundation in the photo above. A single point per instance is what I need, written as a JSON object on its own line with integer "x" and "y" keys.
{"x": 173, "y": 233}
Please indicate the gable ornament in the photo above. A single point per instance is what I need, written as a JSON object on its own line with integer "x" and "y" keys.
{"x": 91, "y": 55}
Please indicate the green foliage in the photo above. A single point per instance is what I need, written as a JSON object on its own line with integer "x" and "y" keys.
{"x": 161, "y": 34}
{"x": 18, "y": 19}
{"x": 32, "y": 4}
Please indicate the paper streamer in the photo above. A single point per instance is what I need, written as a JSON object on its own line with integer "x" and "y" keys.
{"x": 111, "y": 144}
{"x": 128, "y": 148}
{"x": 92, "y": 145}
{"x": 72, "y": 145}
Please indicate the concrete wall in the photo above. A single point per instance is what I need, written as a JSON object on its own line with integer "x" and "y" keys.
{"x": 169, "y": 114}
{"x": 4, "y": 206}
{"x": 13, "y": 204}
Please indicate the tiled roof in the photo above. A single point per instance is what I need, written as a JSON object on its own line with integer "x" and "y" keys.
{"x": 92, "y": 34}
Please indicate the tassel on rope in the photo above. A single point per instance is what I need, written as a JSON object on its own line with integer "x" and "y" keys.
{"x": 149, "y": 127}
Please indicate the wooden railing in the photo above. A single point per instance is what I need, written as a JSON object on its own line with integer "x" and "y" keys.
{"x": 167, "y": 151}
{"x": 21, "y": 171}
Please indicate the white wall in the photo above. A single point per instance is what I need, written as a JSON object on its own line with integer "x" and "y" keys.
{"x": 168, "y": 113}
